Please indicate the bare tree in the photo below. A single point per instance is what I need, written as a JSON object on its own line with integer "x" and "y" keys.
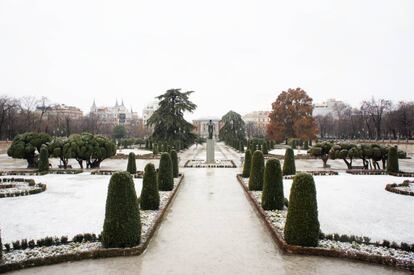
{"x": 375, "y": 110}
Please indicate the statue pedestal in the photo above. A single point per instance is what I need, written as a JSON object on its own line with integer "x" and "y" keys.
{"x": 210, "y": 151}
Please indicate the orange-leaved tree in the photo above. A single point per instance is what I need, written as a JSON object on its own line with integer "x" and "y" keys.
{"x": 291, "y": 116}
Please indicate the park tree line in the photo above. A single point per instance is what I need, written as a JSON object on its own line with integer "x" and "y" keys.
{"x": 30, "y": 114}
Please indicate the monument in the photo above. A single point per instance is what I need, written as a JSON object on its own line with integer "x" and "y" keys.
{"x": 210, "y": 143}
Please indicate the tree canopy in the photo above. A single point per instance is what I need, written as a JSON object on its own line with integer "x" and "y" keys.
{"x": 168, "y": 120}
{"x": 233, "y": 129}
{"x": 291, "y": 116}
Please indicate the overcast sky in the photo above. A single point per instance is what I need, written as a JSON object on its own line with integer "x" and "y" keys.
{"x": 234, "y": 54}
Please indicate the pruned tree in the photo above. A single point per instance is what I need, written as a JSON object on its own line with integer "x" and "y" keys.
{"x": 233, "y": 128}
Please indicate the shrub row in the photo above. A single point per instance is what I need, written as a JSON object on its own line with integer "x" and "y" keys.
{"x": 393, "y": 188}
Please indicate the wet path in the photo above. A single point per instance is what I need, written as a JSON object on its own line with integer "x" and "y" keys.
{"x": 211, "y": 229}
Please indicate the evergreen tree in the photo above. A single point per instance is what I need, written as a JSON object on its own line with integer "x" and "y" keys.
{"x": 272, "y": 196}
{"x": 247, "y": 164}
{"x": 150, "y": 197}
{"x": 165, "y": 173}
{"x": 233, "y": 128}
{"x": 122, "y": 225}
{"x": 289, "y": 167}
{"x": 256, "y": 172}
{"x": 174, "y": 159}
{"x": 132, "y": 166}
{"x": 44, "y": 159}
{"x": 264, "y": 149}
{"x": 302, "y": 224}
{"x": 392, "y": 163}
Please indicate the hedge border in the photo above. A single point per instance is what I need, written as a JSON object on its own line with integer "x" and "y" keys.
{"x": 21, "y": 193}
{"x": 391, "y": 188}
{"x": 206, "y": 165}
{"x": 314, "y": 173}
{"x": 366, "y": 172}
{"x": 98, "y": 253}
{"x": 316, "y": 251}
{"x": 403, "y": 174}
{"x": 145, "y": 156}
{"x": 31, "y": 172}
{"x": 101, "y": 172}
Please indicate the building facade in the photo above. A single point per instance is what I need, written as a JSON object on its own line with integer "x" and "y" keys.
{"x": 149, "y": 110}
{"x": 256, "y": 123}
{"x": 327, "y": 107}
{"x": 201, "y": 127}
{"x": 61, "y": 111}
{"x": 116, "y": 115}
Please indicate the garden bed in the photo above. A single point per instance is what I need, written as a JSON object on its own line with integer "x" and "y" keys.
{"x": 137, "y": 175}
{"x": 402, "y": 174}
{"x": 405, "y": 188}
{"x": 367, "y": 252}
{"x": 16, "y": 187}
{"x": 315, "y": 173}
{"x": 202, "y": 164}
{"x": 75, "y": 251}
{"x": 33, "y": 172}
{"x": 366, "y": 172}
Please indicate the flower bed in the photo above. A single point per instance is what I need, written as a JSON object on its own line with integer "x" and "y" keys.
{"x": 195, "y": 163}
{"x": 405, "y": 188}
{"x": 15, "y": 187}
{"x": 137, "y": 175}
{"x": 80, "y": 249}
{"x": 368, "y": 252}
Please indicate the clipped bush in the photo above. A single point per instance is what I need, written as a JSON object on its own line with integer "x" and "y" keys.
{"x": 174, "y": 160}
{"x": 265, "y": 149}
{"x": 247, "y": 164}
{"x": 306, "y": 145}
{"x": 155, "y": 149}
{"x": 1, "y": 247}
{"x": 131, "y": 166}
{"x": 392, "y": 163}
{"x": 43, "y": 159}
{"x": 165, "y": 173}
{"x": 302, "y": 224}
{"x": 241, "y": 146}
{"x": 289, "y": 167}
{"x": 256, "y": 172}
{"x": 272, "y": 195}
{"x": 122, "y": 225}
{"x": 150, "y": 197}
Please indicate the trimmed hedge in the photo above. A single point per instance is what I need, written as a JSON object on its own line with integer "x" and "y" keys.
{"x": 272, "y": 195}
{"x": 174, "y": 160}
{"x": 132, "y": 166}
{"x": 165, "y": 173}
{"x": 150, "y": 197}
{"x": 247, "y": 163}
{"x": 256, "y": 172}
{"x": 289, "y": 167}
{"x": 302, "y": 224}
{"x": 392, "y": 163}
{"x": 264, "y": 149}
{"x": 122, "y": 225}
{"x": 43, "y": 159}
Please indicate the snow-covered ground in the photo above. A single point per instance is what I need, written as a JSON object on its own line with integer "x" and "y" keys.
{"x": 135, "y": 150}
{"x": 359, "y": 205}
{"x": 71, "y": 204}
{"x": 282, "y": 152}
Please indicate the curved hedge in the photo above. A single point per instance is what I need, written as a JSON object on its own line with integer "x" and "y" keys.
{"x": 302, "y": 224}
{"x": 131, "y": 166}
{"x": 289, "y": 167}
{"x": 150, "y": 197}
{"x": 392, "y": 163}
{"x": 272, "y": 195}
{"x": 122, "y": 225}
{"x": 165, "y": 173}
{"x": 256, "y": 172}
{"x": 247, "y": 164}
{"x": 174, "y": 160}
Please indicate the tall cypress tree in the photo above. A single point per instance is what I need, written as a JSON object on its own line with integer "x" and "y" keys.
{"x": 174, "y": 160}
{"x": 256, "y": 172}
{"x": 272, "y": 196}
{"x": 165, "y": 173}
{"x": 43, "y": 159}
{"x": 247, "y": 164}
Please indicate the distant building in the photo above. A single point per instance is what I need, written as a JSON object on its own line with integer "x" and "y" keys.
{"x": 116, "y": 115}
{"x": 327, "y": 107}
{"x": 256, "y": 123}
{"x": 149, "y": 110}
{"x": 201, "y": 127}
{"x": 60, "y": 111}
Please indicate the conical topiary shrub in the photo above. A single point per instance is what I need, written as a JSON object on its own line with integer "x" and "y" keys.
{"x": 247, "y": 164}
{"x": 43, "y": 159}
{"x": 302, "y": 224}
{"x": 256, "y": 172}
{"x": 272, "y": 195}
{"x": 289, "y": 167}
{"x": 155, "y": 149}
{"x": 150, "y": 197}
{"x": 132, "y": 166}
{"x": 174, "y": 160}
{"x": 122, "y": 225}
{"x": 264, "y": 149}
{"x": 1, "y": 248}
{"x": 392, "y": 162}
{"x": 241, "y": 146}
{"x": 165, "y": 173}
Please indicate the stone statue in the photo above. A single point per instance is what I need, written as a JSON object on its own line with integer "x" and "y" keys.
{"x": 210, "y": 129}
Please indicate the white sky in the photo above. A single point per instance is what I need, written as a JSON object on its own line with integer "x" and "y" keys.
{"x": 235, "y": 54}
